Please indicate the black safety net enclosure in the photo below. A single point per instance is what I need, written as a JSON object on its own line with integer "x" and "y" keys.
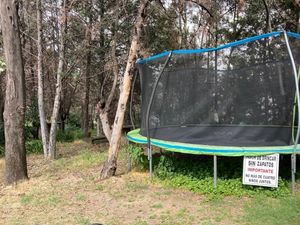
{"x": 239, "y": 94}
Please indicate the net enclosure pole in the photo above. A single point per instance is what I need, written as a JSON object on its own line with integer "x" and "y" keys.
{"x": 293, "y": 156}
{"x": 216, "y": 116}
{"x": 148, "y": 112}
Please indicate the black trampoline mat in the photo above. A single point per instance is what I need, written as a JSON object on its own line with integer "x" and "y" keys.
{"x": 247, "y": 136}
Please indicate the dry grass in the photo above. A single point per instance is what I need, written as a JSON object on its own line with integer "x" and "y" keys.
{"x": 67, "y": 191}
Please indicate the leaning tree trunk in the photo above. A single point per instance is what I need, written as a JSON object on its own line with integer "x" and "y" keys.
{"x": 110, "y": 166}
{"x": 57, "y": 99}
{"x": 15, "y": 154}
{"x": 44, "y": 129}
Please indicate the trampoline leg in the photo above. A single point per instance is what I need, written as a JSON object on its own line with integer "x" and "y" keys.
{"x": 293, "y": 170}
{"x": 150, "y": 161}
{"x": 215, "y": 171}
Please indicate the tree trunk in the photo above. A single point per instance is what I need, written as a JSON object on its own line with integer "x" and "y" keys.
{"x": 40, "y": 74}
{"x": 110, "y": 166}
{"x": 105, "y": 111}
{"x": 1, "y": 99}
{"x": 57, "y": 99}
{"x": 99, "y": 127}
{"x": 2, "y": 84}
{"x": 86, "y": 100}
{"x": 15, "y": 154}
{"x": 298, "y": 21}
{"x": 103, "y": 115}
{"x": 268, "y": 18}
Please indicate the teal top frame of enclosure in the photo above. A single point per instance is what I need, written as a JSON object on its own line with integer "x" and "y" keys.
{"x": 241, "y": 104}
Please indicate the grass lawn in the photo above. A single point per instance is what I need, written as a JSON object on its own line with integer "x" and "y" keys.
{"x": 67, "y": 191}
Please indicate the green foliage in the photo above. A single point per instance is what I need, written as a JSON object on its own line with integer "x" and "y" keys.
{"x": 32, "y": 121}
{"x": 195, "y": 173}
{"x": 160, "y": 31}
{"x": 65, "y": 136}
{"x": 137, "y": 156}
{"x": 69, "y": 135}
{"x": 78, "y": 134}
{"x": 2, "y": 65}
{"x": 74, "y": 121}
{"x": 34, "y": 146}
{"x": 28, "y": 131}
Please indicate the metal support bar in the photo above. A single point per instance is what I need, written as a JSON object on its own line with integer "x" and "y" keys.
{"x": 148, "y": 113}
{"x": 293, "y": 157}
{"x": 215, "y": 171}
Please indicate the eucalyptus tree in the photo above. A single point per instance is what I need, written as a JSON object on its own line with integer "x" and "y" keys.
{"x": 14, "y": 112}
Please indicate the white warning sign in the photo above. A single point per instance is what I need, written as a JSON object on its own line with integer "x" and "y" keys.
{"x": 261, "y": 170}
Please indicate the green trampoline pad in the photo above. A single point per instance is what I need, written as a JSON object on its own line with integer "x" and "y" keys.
{"x": 134, "y": 136}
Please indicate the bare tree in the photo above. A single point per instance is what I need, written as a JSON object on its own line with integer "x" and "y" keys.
{"x": 61, "y": 58}
{"x": 40, "y": 73}
{"x": 86, "y": 99}
{"x": 110, "y": 166}
{"x": 15, "y": 155}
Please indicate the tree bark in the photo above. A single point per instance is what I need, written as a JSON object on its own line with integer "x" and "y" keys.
{"x": 57, "y": 99}
{"x": 110, "y": 166}
{"x": 298, "y": 20}
{"x": 15, "y": 154}
{"x": 40, "y": 74}
{"x": 104, "y": 111}
{"x": 268, "y": 18}
{"x": 1, "y": 99}
{"x": 86, "y": 100}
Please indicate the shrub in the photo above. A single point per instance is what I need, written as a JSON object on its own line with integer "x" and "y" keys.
{"x": 78, "y": 134}
{"x": 74, "y": 120}
{"x": 65, "y": 136}
{"x": 34, "y": 146}
{"x": 195, "y": 173}
{"x": 137, "y": 156}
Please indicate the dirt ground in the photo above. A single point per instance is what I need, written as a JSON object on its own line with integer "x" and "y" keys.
{"x": 67, "y": 191}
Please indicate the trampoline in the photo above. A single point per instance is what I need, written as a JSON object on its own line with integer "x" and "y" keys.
{"x": 237, "y": 99}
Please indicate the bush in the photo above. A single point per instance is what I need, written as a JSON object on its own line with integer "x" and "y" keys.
{"x": 34, "y": 146}
{"x": 65, "y": 136}
{"x": 78, "y": 134}
{"x": 137, "y": 156}
{"x": 195, "y": 173}
{"x": 74, "y": 120}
